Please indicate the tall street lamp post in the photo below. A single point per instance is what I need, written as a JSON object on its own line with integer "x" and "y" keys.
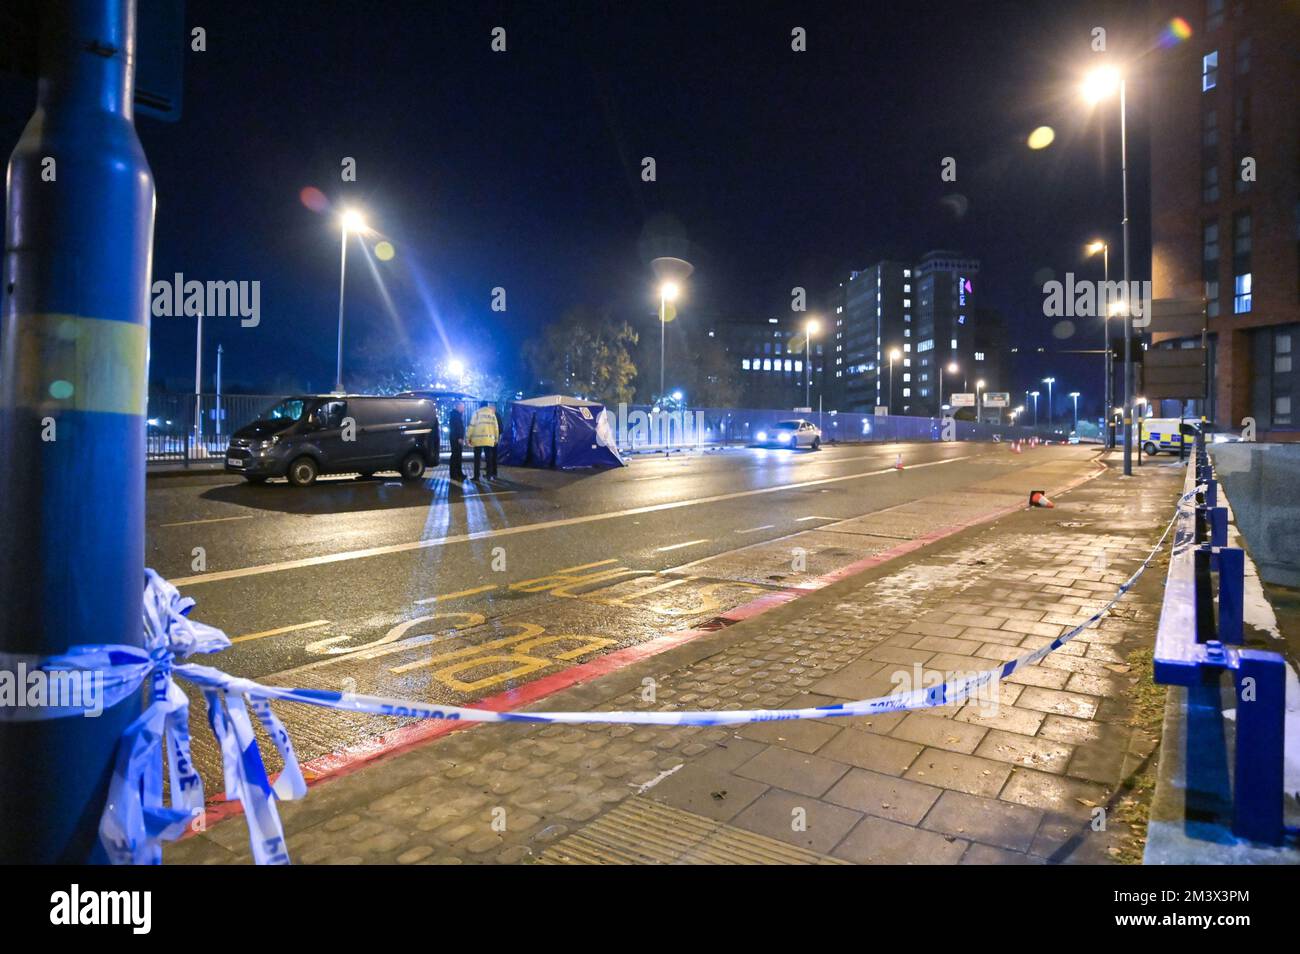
{"x": 1093, "y": 248}
{"x": 811, "y": 328}
{"x": 1034, "y": 395}
{"x": 1049, "y": 382}
{"x": 350, "y": 221}
{"x": 979, "y": 409}
{"x": 1074, "y": 395}
{"x": 1100, "y": 84}
{"x": 952, "y": 369}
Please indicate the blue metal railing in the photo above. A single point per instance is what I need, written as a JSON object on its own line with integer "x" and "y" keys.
{"x": 1197, "y": 641}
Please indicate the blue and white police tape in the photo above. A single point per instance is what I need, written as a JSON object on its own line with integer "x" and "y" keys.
{"x": 136, "y": 821}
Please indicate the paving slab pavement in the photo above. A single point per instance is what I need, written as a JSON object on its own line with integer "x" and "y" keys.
{"x": 1017, "y": 778}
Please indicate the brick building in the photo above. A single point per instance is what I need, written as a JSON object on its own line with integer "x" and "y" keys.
{"x": 1225, "y": 198}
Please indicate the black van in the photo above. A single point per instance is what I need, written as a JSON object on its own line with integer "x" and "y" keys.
{"x": 307, "y": 435}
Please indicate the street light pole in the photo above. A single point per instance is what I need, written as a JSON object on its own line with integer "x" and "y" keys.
{"x": 1075, "y": 396}
{"x": 198, "y": 378}
{"x": 1049, "y": 382}
{"x": 809, "y": 328}
{"x": 1128, "y": 310}
{"x": 1034, "y": 395}
{"x": 343, "y": 271}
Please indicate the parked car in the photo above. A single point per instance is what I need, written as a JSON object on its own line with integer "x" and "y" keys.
{"x": 796, "y": 433}
{"x": 307, "y": 435}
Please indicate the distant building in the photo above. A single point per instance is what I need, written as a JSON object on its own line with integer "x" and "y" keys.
{"x": 1225, "y": 199}
{"x": 923, "y": 312}
{"x": 990, "y": 358}
{"x": 770, "y": 355}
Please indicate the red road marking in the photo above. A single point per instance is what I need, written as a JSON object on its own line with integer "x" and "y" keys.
{"x": 344, "y": 762}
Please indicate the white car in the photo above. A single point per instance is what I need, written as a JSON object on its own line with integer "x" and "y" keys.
{"x": 797, "y": 433}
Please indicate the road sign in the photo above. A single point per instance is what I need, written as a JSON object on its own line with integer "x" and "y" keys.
{"x": 1174, "y": 373}
{"x": 961, "y": 399}
{"x": 1182, "y": 317}
{"x": 882, "y": 410}
{"x": 997, "y": 399}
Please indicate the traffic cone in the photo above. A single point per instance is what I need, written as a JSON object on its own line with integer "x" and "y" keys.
{"x": 898, "y": 464}
{"x": 1038, "y": 498}
{"x": 1015, "y": 447}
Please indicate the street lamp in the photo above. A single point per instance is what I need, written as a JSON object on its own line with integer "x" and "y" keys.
{"x": 1101, "y": 84}
{"x": 1093, "y": 247}
{"x": 952, "y": 369}
{"x": 810, "y": 329}
{"x": 668, "y": 291}
{"x": 1049, "y": 382}
{"x": 979, "y": 410}
{"x": 894, "y": 354}
{"x": 350, "y": 221}
{"x": 1075, "y": 396}
{"x": 1034, "y": 395}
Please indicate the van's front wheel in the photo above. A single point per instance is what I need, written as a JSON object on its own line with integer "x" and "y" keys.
{"x": 412, "y": 466}
{"x": 302, "y": 472}
{"x": 1150, "y": 449}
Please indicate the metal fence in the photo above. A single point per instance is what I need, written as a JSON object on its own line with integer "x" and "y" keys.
{"x": 194, "y": 428}
{"x": 188, "y": 427}
{"x": 640, "y": 427}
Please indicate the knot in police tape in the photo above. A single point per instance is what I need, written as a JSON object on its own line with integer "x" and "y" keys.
{"x": 136, "y": 821}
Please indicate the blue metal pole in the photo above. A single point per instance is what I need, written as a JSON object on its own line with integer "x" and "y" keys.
{"x": 1258, "y": 775}
{"x": 75, "y": 322}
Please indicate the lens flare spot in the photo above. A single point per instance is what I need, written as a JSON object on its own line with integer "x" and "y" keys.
{"x": 1176, "y": 31}
{"x": 1041, "y": 137}
{"x": 384, "y": 251}
{"x": 314, "y": 199}
{"x": 61, "y": 390}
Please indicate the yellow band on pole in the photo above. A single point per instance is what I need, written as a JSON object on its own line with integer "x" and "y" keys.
{"x": 66, "y": 362}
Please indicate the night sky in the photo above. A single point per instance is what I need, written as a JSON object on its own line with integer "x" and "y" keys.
{"x": 522, "y": 169}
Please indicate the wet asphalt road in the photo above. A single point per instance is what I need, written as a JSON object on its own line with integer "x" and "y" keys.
{"x": 292, "y": 573}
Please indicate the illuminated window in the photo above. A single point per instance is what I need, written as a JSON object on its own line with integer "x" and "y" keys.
{"x": 1209, "y": 70}
{"x": 979, "y": 355}
{"x": 798, "y": 365}
{"x": 744, "y": 364}
{"x": 1241, "y": 294}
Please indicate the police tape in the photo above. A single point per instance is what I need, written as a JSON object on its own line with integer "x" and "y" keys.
{"x": 136, "y": 820}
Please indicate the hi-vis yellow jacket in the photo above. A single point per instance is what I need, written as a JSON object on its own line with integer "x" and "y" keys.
{"x": 484, "y": 431}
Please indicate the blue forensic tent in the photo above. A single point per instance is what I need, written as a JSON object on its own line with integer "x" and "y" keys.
{"x": 559, "y": 431}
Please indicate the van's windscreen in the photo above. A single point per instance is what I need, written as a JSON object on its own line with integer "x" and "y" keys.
{"x": 290, "y": 410}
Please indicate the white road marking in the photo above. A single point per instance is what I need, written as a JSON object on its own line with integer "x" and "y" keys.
{"x": 190, "y": 523}
{"x": 802, "y": 519}
{"x": 529, "y": 527}
{"x": 766, "y": 526}
{"x": 678, "y": 546}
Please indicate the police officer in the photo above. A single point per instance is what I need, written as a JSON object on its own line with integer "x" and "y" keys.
{"x": 456, "y": 434}
{"x": 484, "y": 432}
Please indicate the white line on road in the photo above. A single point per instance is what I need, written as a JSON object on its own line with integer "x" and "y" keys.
{"x": 766, "y": 526}
{"x": 678, "y": 546}
{"x": 190, "y": 523}
{"x": 219, "y": 575}
{"x": 802, "y": 519}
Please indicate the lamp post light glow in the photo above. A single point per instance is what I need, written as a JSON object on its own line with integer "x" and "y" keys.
{"x": 668, "y": 291}
{"x": 1102, "y": 83}
{"x": 1049, "y": 382}
{"x": 349, "y": 221}
{"x": 1075, "y": 397}
{"x": 1034, "y": 395}
{"x": 952, "y": 369}
{"x": 894, "y": 354}
{"x": 979, "y": 411}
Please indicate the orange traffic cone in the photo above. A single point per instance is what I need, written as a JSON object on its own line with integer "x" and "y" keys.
{"x": 898, "y": 464}
{"x": 1038, "y": 498}
{"x": 1015, "y": 448}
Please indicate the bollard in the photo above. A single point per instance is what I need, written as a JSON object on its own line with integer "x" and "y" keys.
{"x": 1232, "y": 580}
{"x": 1218, "y": 525}
{"x": 73, "y": 357}
{"x": 1260, "y": 681}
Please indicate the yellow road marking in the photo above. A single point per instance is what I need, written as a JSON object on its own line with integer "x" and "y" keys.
{"x": 283, "y": 629}
{"x": 459, "y": 593}
{"x": 188, "y": 523}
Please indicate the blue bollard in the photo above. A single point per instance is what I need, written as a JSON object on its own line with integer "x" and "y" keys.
{"x": 72, "y": 413}
{"x": 1258, "y": 776}
{"x": 1232, "y": 586}
{"x": 1218, "y": 526}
